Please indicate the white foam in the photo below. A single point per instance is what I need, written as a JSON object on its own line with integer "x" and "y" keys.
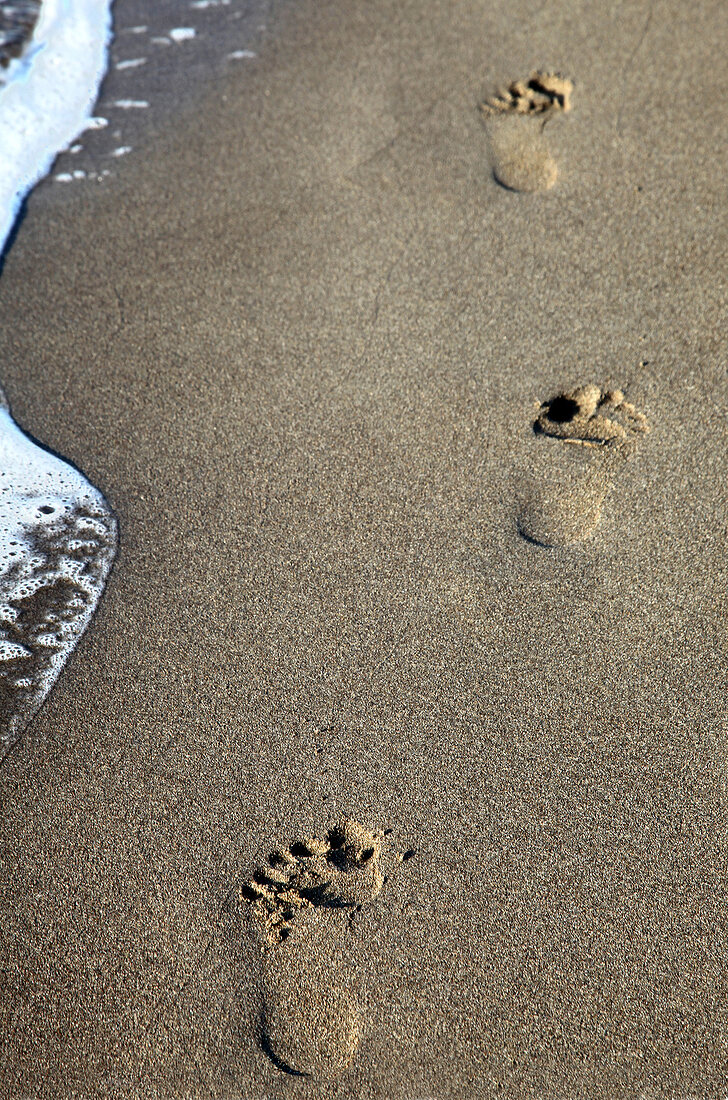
{"x": 57, "y": 544}
{"x": 69, "y": 177}
{"x": 120, "y": 151}
{"x": 182, "y": 34}
{"x": 10, "y": 651}
{"x": 130, "y": 63}
{"x": 48, "y": 93}
{"x": 240, "y": 55}
{"x": 130, "y": 104}
{"x": 57, "y": 534}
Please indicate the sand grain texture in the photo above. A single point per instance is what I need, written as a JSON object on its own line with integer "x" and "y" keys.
{"x": 299, "y": 343}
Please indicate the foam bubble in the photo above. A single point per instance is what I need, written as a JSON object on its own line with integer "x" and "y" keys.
{"x": 9, "y": 651}
{"x": 182, "y": 34}
{"x": 57, "y": 545}
{"x": 130, "y": 104}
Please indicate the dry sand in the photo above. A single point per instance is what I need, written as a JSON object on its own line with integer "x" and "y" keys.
{"x": 300, "y": 344}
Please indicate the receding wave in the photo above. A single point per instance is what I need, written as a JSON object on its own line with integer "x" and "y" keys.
{"x": 53, "y": 62}
{"x": 57, "y": 533}
{"x": 57, "y": 544}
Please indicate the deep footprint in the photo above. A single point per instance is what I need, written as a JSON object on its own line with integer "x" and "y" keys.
{"x": 303, "y": 902}
{"x": 515, "y": 119}
{"x": 561, "y": 501}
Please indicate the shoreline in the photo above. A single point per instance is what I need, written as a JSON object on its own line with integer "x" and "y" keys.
{"x": 306, "y": 378}
{"x": 46, "y": 97}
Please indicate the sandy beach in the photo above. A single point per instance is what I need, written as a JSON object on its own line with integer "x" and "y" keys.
{"x": 453, "y": 689}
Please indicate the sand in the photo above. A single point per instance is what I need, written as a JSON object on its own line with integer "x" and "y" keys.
{"x": 300, "y": 343}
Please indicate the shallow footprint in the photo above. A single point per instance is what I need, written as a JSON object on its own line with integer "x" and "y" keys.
{"x": 515, "y": 119}
{"x": 561, "y": 497}
{"x": 303, "y": 904}
{"x": 57, "y": 544}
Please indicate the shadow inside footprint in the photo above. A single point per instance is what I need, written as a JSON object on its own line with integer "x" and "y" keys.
{"x": 303, "y": 904}
{"x": 560, "y": 498}
{"x": 515, "y": 119}
{"x": 309, "y": 1025}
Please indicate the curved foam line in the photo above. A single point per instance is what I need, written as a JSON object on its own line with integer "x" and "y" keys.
{"x": 58, "y": 540}
{"x": 48, "y": 95}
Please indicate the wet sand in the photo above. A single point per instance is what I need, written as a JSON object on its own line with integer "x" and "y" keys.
{"x": 300, "y": 343}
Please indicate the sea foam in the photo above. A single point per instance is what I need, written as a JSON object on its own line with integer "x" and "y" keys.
{"x": 57, "y": 544}
{"x": 58, "y": 535}
{"x": 47, "y": 95}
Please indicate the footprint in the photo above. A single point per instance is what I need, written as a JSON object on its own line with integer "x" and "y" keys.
{"x": 304, "y": 902}
{"x": 57, "y": 544}
{"x": 515, "y": 120}
{"x": 562, "y": 495}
